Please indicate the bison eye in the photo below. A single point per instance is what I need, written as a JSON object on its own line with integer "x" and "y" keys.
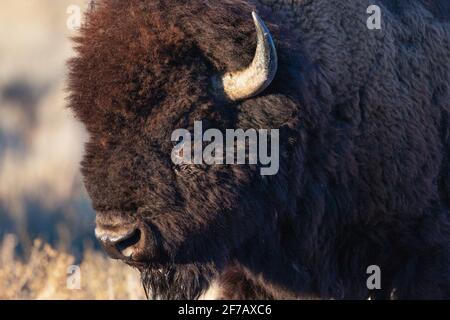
{"x": 177, "y": 142}
{"x": 182, "y": 151}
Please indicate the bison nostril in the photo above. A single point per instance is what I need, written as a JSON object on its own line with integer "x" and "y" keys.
{"x": 119, "y": 245}
{"x": 128, "y": 240}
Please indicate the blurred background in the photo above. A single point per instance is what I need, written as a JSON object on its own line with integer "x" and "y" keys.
{"x": 46, "y": 221}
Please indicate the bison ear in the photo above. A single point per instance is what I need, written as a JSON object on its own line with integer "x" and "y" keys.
{"x": 247, "y": 83}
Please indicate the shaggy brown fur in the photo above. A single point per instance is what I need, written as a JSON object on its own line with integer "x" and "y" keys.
{"x": 364, "y": 124}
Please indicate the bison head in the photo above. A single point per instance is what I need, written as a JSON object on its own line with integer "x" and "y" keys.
{"x": 145, "y": 69}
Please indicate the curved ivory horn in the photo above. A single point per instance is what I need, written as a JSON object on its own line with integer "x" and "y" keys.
{"x": 241, "y": 85}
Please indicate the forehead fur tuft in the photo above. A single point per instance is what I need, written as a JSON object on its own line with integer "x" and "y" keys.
{"x": 148, "y": 59}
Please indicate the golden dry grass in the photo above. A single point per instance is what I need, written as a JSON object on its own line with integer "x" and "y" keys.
{"x": 41, "y": 145}
{"x": 45, "y": 276}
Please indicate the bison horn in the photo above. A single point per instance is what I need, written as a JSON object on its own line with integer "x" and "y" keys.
{"x": 244, "y": 84}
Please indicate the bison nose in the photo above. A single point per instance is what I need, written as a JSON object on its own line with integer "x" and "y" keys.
{"x": 119, "y": 242}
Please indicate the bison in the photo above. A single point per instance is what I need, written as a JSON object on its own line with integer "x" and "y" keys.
{"x": 364, "y": 136}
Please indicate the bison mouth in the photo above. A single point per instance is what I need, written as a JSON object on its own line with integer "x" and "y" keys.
{"x": 176, "y": 282}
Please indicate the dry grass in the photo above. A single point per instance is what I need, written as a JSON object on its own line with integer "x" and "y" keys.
{"x": 40, "y": 149}
{"x": 44, "y": 276}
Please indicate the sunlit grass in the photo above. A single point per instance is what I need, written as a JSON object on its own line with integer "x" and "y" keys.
{"x": 44, "y": 275}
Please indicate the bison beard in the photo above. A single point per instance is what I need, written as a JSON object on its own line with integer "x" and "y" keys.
{"x": 180, "y": 282}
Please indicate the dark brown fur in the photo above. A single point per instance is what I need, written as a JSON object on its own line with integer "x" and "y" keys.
{"x": 364, "y": 123}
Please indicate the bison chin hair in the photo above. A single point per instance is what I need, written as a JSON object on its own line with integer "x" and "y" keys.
{"x": 177, "y": 282}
